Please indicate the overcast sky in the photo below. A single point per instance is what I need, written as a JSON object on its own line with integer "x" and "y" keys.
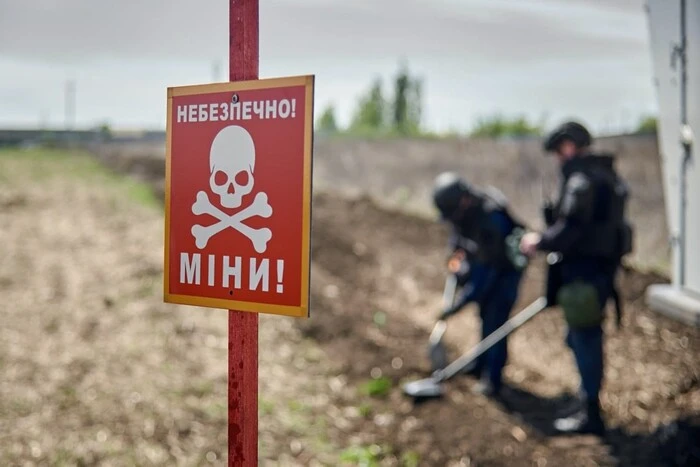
{"x": 553, "y": 58}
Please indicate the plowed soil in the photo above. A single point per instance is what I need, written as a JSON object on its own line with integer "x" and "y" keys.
{"x": 98, "y": 371}
{"x": 377, "y": 262}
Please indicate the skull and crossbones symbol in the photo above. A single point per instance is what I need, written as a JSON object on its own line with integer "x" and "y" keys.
{"x": 231, "y": 166}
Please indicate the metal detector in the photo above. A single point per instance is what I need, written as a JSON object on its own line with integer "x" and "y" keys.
{"x": 430, "y": 387}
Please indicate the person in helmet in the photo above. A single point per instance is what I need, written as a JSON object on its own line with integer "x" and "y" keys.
{"x": 568, "y": 139}
{"x": 586, "y": 228}
{"x": 480, "y": 224}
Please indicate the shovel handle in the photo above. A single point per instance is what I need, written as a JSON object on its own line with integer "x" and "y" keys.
{"x": 448, "y": 294}
{"x": 438, "y": 331}
{"x": 496, "y": 336}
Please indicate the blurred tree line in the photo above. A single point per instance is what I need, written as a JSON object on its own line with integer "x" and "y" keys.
{"x": 646, "y": 125}
{"x": 499, "y": 126}
{"x": 399, "y": 112}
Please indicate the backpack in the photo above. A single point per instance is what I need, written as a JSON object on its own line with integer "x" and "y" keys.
{"x": 620, "y": 192}
{"x": 609, "y": 232}
{"x": 624, "y": 241}
{"x": 494, "y": 199}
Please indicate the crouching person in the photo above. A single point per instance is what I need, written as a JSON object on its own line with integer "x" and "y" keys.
{"x": 482, "y": 231}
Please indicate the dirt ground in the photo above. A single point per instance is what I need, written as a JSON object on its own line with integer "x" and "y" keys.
{"x": 385, "y": 263}
{"x": 98, "y": 371}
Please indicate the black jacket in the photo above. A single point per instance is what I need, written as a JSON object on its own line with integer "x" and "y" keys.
{"x": 589, "y": 212}
{"x": 482, "y": 232}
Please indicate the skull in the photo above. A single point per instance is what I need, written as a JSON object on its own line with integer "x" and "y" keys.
{"x": 231, "y": 163}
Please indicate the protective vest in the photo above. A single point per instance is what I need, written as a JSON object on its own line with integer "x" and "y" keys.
{"x": 593, "y": 200}
{"x": 594, "y": 197}
{"x": 490, "y": 246}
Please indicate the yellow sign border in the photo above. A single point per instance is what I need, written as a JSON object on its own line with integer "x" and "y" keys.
{"x": 301, "y": 311}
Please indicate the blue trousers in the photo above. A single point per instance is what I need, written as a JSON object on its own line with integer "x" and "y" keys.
{"x": 587, "y": 346}
{"x": 587, "y": 343}
{"x": 495, "y": 310}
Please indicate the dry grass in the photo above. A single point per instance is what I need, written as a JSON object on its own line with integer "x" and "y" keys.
{"x": 96, "y": 368}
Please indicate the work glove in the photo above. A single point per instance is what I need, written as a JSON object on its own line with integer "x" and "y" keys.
{"x": 456, "y": 261}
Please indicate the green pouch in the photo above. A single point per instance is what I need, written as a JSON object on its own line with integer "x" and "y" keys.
{"x": 513, "y": 253}
{"x": 579, "y": 301}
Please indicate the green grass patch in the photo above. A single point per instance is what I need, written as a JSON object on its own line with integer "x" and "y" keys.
{"x": 138, "y": 192}
{"x": 378, "y": 387}
{"x": 368, "y": 456}
{"x": 40, "y": 165}
{"x": 62, "y": 458}
{"x": 216, "y": 411}
{"x": 410, "y": 459}
{"x": 296, "y": 406}
{"x": 365, "y": 410}
{"x": 265, "y": 407}
{"x": 379, "y": 319}
{"x": 43, "y": 164}
{"x": 373, "y": 455}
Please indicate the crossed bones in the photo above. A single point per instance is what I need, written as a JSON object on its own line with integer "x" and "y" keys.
{"x": 259, "y": 207}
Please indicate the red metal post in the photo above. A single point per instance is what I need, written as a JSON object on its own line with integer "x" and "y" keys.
{"x": 243, "y": 326}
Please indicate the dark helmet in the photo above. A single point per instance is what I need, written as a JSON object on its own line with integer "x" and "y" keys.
{"x": 572, "y": 131}
{"x": 448, "y": 190}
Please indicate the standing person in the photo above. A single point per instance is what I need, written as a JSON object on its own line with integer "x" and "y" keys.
{"x": 586, "y": 227}
{"x": 481, "y": 226}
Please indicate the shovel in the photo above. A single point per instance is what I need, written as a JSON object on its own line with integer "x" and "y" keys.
{"x": 430, "y": 387}
{"x": 437, "y": 353}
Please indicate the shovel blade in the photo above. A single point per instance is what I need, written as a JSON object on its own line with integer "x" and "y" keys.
{"x": 438, "y": 356}
{"x": 437, "y": 353}
{"x": 423, "y": 388}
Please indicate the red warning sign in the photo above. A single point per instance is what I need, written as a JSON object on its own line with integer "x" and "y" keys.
{"x": 238, "y": 195}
